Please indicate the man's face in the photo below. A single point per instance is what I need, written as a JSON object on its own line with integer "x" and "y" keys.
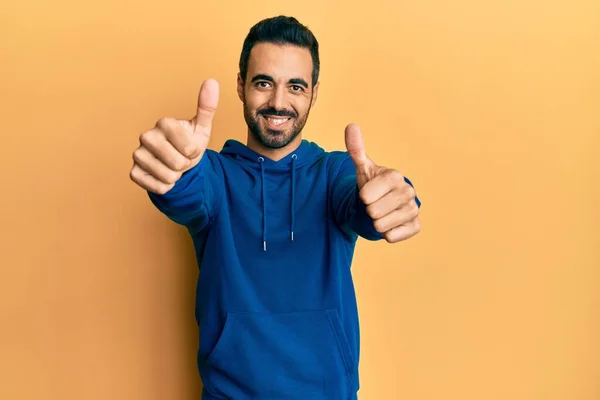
{"x": 277, "y": 93}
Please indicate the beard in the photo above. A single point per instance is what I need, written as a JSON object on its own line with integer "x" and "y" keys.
{"x": 274, "y": 138}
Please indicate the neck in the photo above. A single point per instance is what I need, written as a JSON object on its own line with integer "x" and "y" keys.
{"x": 273, "y": 154}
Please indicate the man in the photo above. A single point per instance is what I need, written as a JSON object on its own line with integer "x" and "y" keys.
{"x": 274, "y": 224}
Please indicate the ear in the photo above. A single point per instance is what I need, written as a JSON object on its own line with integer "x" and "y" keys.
{"x": 315, "y": 94}
{"x": 240, "y": 87}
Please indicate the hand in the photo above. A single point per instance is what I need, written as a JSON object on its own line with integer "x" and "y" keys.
{"x": 389, "y": 199}
{"x": 174, "y": 146}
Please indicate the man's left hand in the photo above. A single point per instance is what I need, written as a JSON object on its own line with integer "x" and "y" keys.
{"x": 390, "y": 201}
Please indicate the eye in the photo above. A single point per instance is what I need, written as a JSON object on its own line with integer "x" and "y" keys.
{"x": 297, "y": 88}
{"x": 263, "y": 84}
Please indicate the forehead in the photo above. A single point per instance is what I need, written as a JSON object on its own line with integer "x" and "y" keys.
{"x": 280, "y": 61}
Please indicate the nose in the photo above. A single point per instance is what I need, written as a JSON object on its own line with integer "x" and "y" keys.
{"x": 278, "y": 99}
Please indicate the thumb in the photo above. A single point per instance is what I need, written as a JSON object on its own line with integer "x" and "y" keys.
{"x": 208, "y": 99}
{"x": 356, "y": 147}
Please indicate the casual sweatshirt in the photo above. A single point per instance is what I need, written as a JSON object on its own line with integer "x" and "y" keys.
{"x": 274, "y": 241}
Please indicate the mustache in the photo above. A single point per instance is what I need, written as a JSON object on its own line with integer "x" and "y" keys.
{"x": 277, "y": 113}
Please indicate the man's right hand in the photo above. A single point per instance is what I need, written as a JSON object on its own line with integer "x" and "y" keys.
{"x": 174, "y": 146}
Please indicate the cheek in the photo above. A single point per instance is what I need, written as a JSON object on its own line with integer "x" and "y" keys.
{"x": 254, "y": 101}
{"x": 302, "y": 106}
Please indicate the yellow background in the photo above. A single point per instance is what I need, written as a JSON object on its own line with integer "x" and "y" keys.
{"x": 490, "y": 107}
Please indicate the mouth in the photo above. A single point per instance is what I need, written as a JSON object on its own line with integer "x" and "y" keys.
{"x": 276, "y": 123}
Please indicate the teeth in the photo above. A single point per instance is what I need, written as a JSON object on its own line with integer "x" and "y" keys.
{"x": 277, "y": 121}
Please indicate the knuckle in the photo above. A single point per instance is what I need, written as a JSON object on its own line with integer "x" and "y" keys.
{"x": 163, "y": 188}
{"x": 172, "y": 128}
{"x": 136, "y": 177}
{"x": 417, "y": 226}
{"x": 379, "y": 226}
{"x": 158, "y": 188}
{"x": 364, "y": 196}
{"x": 147, "y": 137}
{"x": 190, "y": 150}
{"x": 393, "y": 175}
{"x": 172, "y": 177}
{"x": 133, "y": 175}
{"x": 163, "y": 123}
{"x": 389, "y": 237}
{"x": 372, "y": 211}
{"x": 415, "y": 209}
{"x": 144, "y": 138}
{"x": 136, "y": 156}
{"x": 177, "y": 163}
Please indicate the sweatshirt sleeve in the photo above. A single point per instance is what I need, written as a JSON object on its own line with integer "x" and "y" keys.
{"x": 193, "y": 201}
{"x": 349, "y": 211}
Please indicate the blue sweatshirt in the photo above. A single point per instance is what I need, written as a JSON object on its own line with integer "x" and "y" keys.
{"x": 274, "y": 241}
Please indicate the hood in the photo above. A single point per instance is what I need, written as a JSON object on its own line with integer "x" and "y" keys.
{"x": 306, "y": 153}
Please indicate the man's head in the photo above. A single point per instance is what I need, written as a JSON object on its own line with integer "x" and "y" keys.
{"x": 278, "y": 80}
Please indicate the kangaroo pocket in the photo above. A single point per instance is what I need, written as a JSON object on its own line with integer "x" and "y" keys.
{"x": 299, "y": 355}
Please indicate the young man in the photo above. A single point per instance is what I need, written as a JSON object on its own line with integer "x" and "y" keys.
{"x": 274, "y": 224}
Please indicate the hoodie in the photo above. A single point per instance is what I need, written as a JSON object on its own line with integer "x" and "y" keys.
{"x": 274, "y": 241}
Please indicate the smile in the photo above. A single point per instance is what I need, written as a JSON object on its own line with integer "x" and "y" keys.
{"x": 276, "y": 122}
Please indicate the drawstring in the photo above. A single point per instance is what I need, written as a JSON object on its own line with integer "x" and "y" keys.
{"x": 264, "y": 199}
{"x": 292, "y": 207}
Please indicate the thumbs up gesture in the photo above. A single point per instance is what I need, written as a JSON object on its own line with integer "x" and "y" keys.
{"x": 175, "y": 146}
{"x": 389, "y": 199}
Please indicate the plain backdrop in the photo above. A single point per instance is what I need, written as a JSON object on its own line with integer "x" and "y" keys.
{"x": 490, "y": 107}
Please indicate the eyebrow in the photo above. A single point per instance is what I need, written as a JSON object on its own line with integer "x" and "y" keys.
{"x": 293, "y": 81}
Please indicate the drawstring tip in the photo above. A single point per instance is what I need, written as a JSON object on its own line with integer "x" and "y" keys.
{"x": 264, "y": 245}
{"x": 292, "y": 235}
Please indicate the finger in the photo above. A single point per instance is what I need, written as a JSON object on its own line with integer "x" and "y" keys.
{"x": 374, "y": 190}
{"x": 356, "y": 147}
{"x": 403, "y": 232}
{"x": 392, "y": 200}
{"x": 156, "y": 142}
{"x": 153, "y": 166}
{"x": 180, "y": 136}
{"x": 396, "y": 218}
{"x": 147, "y": 181}
{"x": 385, "y": 181}
{"x": 208, "y": 99}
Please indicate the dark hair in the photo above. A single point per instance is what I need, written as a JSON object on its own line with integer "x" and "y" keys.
{"x": 281, "y": 30}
